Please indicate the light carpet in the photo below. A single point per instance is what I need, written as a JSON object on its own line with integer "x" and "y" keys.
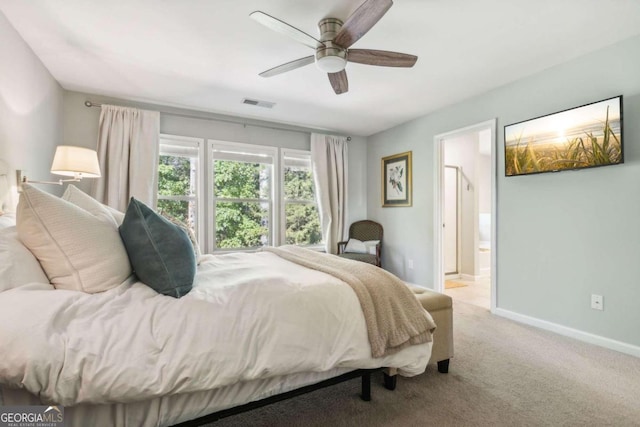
{"x": 504, "y": 374}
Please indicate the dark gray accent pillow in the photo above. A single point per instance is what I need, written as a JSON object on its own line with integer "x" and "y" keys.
{"x": 160, "y": 252}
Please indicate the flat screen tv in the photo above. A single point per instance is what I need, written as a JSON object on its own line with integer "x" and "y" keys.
{"x": 582, "y": 137}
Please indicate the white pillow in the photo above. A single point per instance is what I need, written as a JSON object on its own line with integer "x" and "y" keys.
{"x": 76, "y": 249}
{"x": 356, "y": 246}
{"x": 79, "y": 198}
{"x": 18, "y": 266}
{"x": 371, "y": 246}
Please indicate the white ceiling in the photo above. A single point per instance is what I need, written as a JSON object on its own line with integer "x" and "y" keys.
{"x": 206, "y": 54}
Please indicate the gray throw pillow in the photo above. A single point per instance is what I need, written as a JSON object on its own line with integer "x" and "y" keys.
{"x": 160, "y": 252}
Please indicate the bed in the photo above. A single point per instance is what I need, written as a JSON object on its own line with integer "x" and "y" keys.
{"x": 254, "y": 325}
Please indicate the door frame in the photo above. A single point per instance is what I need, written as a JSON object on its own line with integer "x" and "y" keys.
{"x": 458, "y": 220}
{"x": 438, "y": 205}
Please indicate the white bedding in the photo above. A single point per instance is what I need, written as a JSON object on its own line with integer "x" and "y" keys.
{"x": 7, "y": 220}
{"x": 176, "y": 408}
{"x": 248, "y": 317}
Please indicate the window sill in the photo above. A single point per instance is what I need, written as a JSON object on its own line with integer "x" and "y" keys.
{"x": 317, "y": 248}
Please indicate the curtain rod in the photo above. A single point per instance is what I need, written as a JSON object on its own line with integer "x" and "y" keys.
{"x": 188, "y": 116}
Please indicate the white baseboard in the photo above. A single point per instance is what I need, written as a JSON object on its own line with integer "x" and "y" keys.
{"x": 620, "y": 346}
{"x": 470, "y": 277}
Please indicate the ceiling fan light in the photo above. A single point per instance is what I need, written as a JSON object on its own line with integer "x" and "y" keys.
{"x": 331, "y": 64}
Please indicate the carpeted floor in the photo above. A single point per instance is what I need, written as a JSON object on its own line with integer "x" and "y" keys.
{"x": 504, "y": 374}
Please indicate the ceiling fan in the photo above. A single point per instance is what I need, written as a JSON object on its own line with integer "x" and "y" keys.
{"x": 336, "y": 37}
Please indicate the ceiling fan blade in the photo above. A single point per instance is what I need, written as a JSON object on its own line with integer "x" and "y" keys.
{"x": 283, "y": 28}
{"x": 361, "y": 21}
{"x": 381, "y": 57}
{"x": 283, "y": 68}
{"x": 339, "y": 82}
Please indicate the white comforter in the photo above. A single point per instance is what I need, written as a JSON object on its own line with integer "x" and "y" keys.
{"x": 248, "y": 316}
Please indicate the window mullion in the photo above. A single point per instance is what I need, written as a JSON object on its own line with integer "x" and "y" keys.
{"x": 241, "y": 200}
{"x": 178, "y": 198}
{"x": 305, "y": 202}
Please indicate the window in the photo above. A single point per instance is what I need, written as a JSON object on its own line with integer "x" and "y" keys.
{"x": 179, "y": 180}
{"x": 301, "y": 222}
{"x": 247, "y": 196}
{"x": 243, "y": 194}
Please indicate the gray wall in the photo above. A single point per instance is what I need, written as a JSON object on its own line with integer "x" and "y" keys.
{"x": 30, "y": 109}
{"x": 561, "y": 236}
{"x": 81, "y": 128}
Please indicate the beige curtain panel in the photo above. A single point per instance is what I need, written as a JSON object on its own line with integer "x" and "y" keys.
{"x": 329, "y": 162}
{"x": 128, "y": 141}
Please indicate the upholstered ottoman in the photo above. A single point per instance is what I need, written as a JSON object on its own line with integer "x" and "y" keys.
{"x": 441, "y": 309}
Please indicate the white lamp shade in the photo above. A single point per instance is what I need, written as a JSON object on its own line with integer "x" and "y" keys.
{"x": 75, "y": 161}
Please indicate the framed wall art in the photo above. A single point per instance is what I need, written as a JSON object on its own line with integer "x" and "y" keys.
{"x": 396, "y": 180}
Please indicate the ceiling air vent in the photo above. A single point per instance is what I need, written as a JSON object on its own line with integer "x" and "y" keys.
{"x": 263, "y": 104}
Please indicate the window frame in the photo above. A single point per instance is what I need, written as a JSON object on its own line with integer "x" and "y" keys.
{"x": 199, "y": 196}
{"x": 204, "y": 196}
{"x": 283, "y": 218}
{"x": 246, "y": 149}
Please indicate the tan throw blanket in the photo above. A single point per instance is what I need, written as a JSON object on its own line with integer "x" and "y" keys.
{"x": 394, "y": 317}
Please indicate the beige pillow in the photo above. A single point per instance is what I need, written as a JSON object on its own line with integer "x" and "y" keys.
{"x": 78, "y": 250}
{"x": 79, "y": 198}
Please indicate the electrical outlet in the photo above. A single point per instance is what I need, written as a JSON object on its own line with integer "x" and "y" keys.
{"x": 410, "y": 264}
{"x": 597, "y": 302}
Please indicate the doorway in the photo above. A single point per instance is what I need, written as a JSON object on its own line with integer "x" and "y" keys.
{"x": 464, "y": 214}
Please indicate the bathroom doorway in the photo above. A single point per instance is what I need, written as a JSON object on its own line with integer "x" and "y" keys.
{"x": 464, "y": 212}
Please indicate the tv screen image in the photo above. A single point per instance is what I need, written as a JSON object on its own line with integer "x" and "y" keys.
{"x": 582, "y": 137}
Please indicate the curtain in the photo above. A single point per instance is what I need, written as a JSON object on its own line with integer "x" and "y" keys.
{"x": 128, "y": 140}
{"x": 329, "y": 164}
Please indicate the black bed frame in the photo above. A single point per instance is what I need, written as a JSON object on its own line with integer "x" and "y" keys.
{"x": 390, "y": 382}
{"x": 364, "y": 374}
